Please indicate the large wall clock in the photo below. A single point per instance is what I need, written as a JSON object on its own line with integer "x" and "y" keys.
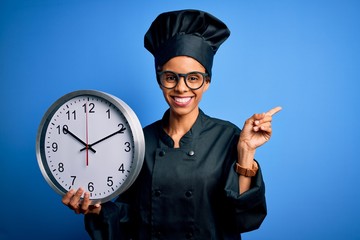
{"x": 93, "y": 140}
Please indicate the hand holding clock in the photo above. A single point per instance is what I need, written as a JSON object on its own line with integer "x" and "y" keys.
{"x": 73, "y": 200}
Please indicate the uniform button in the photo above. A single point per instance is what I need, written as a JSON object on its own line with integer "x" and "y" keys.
{"x": 157, "y": 234}
{"x": 191, "y": 153}
{"x": 188, "y": 194}
{"x": 189, "y": 235}
{"x": 162, "y": 153}
{"x": 157, "y": 193}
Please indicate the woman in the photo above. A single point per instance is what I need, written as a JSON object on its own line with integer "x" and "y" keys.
{"x": 199, "y": 179}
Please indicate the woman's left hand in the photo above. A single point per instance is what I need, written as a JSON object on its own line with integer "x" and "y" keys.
{"x": 257, "y": 130}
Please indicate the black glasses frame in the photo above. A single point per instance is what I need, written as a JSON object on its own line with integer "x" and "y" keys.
{"x": 179, "y": 75}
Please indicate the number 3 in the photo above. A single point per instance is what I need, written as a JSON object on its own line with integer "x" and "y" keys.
{"x": 128, "y": 148}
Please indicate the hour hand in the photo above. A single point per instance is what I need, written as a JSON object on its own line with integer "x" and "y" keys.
{"x": 66, "y": 130}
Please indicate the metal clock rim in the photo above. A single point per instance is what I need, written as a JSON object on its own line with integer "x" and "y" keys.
{"x": 133, "y": 121}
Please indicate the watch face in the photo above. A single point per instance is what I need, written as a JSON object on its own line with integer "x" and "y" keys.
{"x": 92, "y": 140}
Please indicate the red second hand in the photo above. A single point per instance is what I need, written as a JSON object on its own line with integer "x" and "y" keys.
{"x": 87, "y": 137}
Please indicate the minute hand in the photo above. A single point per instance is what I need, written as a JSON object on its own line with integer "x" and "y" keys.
{"x": 109, "y": 136}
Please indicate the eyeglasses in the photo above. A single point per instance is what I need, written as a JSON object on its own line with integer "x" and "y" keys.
{"x": 193, "y": 80}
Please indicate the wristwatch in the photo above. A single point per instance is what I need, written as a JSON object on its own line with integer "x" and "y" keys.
{"x": 247, "y": 172}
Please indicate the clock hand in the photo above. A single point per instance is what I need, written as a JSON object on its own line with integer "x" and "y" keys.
{"x": 66, "y": 130}
{"x": 87, "y": 136}
{"x": 109, "y": 136}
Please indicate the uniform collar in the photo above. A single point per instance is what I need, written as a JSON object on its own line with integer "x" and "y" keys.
{"x": 188, "y": 138}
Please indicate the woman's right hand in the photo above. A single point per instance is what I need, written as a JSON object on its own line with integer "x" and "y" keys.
{"x": 73, "y": 200}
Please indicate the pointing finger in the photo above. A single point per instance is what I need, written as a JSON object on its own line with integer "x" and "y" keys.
{"x": 274, "y": 111}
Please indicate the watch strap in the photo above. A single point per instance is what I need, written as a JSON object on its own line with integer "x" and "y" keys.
{"x": 247, "y": 172}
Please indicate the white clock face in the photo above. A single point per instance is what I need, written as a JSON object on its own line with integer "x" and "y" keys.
{"x": 88, "y": 142}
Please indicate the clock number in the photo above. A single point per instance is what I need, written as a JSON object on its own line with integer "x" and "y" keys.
{"x": 128, "y": 148}
{"x": 73, "y": 181}
{"x": 73, "y": 114}
{"x": 121, "y": 168}
{"x": 91, "y": 186}
{"x": 63, "y": 129}
{"x": 91, "y": 107}
{"x": 110, "y": 181}
{"x": 61, "y": 167}
{"x": 122, "y": 130}
{"x": 108, "y": 113}
{"x": 54, "y": 147}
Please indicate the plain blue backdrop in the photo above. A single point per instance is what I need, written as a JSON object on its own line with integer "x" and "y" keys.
{"x": 303, "y": 55}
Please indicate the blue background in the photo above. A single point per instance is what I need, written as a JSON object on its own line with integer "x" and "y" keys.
{"x": 303, "y": 55}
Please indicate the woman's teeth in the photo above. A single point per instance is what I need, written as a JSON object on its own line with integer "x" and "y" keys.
{"x": 182, "y": 100}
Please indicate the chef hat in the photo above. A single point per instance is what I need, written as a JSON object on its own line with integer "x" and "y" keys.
{"x": 192, "y": 33}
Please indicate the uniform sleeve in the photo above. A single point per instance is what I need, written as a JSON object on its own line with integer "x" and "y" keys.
{"x": 249, "y": 208}
{"x": 111, "y": 223}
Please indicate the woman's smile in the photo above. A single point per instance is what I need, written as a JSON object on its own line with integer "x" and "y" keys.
{"x": 182, "y": 101}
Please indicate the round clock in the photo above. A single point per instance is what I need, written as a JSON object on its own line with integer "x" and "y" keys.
{"x": 93, "y": 140}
